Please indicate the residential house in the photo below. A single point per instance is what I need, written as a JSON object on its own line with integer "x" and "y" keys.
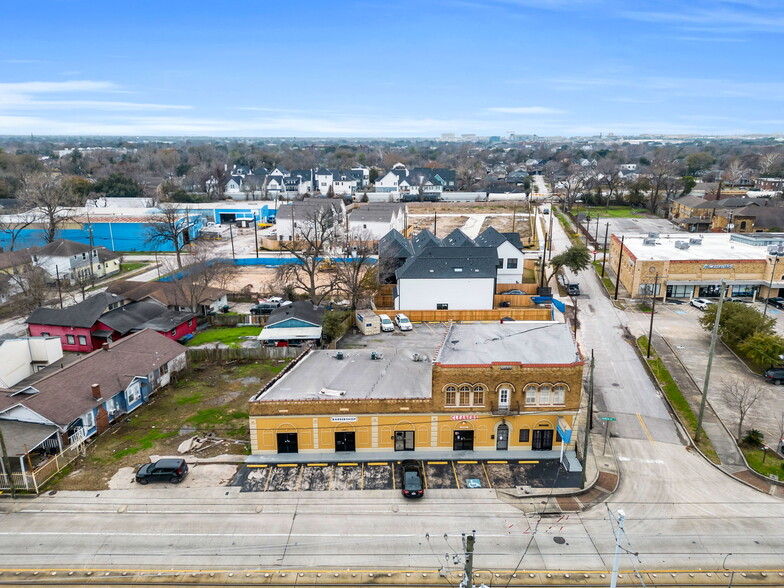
{"x": 104, "y": 317}
{"x": 66, "y": 260}
{"x": 21, "y": 358}
{"x": 393, "y": 251}
{"x": 376, "y": 219}
{"x": 447, "y": 278}
{"x": 510, "y": 254}
{"x": 769, "y": 184}
{"x": 297, "y": 218}
{"x": 749, "y": 219}
{"x": 83, "y": 398}
{"x": 176, "y": 297}
{"x": 293, "y": 324}
{"x": 14, "y": 264}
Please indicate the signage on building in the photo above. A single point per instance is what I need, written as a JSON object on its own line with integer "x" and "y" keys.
{"x": 564, "y": 430}
{"x": 464, "y": 417}
{"x": 344, "y": 419}
{"x": 721, "y": 266}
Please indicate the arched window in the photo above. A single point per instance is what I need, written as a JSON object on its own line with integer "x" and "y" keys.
{"x": 465, "y": 395}
{"x": 544, "y": 395}
{"x": 559, "y": 394}
{"x": 479, "y": 396}
{"x": 450, "y": 396}
{"x": 530, "y": 394}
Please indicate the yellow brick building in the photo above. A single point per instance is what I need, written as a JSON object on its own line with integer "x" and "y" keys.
{"x": 472, "y": 387}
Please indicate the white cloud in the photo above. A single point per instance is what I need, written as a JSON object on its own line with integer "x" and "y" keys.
{"x": 524, "y": 110}
{"x": 56, "y": 87}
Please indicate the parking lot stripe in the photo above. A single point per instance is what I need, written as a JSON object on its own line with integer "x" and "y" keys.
{"x": 269, "y": 477}
{"x": 348, "y": 463}
{"x": 484, "y": 469}
{"x": 378, "y": 463}
{"x": 362, "y": 479}
{"x": 299, "y": 478}
{"x": 424, "y": 475}
{"x": 315, "y": 465}
{"x": 286, "y": 465}
{"x": 536, "y": 461}
{"x": 437, "y": 462}
{"x": 466, "y": 462}
{"x": 498, "y": 461}
{"x": 454, "y": 471}
{"x": 257, "y": 465}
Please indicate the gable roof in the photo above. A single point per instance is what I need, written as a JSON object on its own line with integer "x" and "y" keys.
{"x": 63, "y": 248}
{"x": 457, "y": 238}
{"x": 393, "y": 244}
{"x": 9, "y": 259}
{"x": 450, "y": 263}
{"x": 490, "y": 237}
{"x": 423, "y": 240}
{"x": 66, "y": 394}
{"x": 145, "y": 314}
{"x": 690, "y": 200}
{"x": 166, "y": 292}
{"x": 514, "y": 239}
{"x": 83, "y": 314}
{"x": 303, "y": 310}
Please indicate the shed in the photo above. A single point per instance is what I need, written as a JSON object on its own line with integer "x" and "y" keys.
{"x": 368, "y": 322}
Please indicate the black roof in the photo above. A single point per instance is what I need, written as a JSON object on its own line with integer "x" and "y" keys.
{"x": 423, "y": 240}
{"x": 83, "y": 314}
{"x": 393, "y": 244}
{"x": 303, "y": 310}
{"x": 457, "y": 238}
{"x": 451, "y": 262}
{"x": 490, "y": 237}
{"x": 145, "y": 314}
{"x": 514, "y": 239}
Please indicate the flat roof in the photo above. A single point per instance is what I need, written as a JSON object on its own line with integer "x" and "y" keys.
{"x": 714, "y": 246}
{"x": 524, "y": 343}
{"x": 320, "y": 375}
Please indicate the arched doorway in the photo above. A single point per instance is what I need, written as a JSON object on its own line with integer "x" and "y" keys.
{"x": 287, "y": 439}
{"x": 502, "y": 437}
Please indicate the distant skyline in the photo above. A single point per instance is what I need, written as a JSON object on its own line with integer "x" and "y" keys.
{"x": 392, "y": 69}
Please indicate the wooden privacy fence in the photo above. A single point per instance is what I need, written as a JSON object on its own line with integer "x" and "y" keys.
{"x": 493, "y": 315}
{"x": 232, "y": 320}
{"x": 33, "y": 481}
{"x": 243, "y": 353}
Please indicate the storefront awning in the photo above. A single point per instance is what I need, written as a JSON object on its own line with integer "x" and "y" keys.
{"x": 290, "y": 334}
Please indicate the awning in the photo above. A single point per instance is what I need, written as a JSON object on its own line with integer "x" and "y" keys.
{"x": 290, "y": 334}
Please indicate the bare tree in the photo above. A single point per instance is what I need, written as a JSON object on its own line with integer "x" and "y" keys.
{"x": 48, "y": 195}
{"x": 13, "y": 224}
{"x": 31, "y": 285}
{"x": 660, "y": 169}
{"x": 572, "y": 185}
{"x": 734, "y": 172}
{"x": 315, "y": 233}
{"x": 767, "y": 161}
{"x": 355, "y": 277}
{"x": 166, "y": 229}
{"x": 203, "y": 273}
{"x": 740, "y": 395}
{"x": 611, "y": 177}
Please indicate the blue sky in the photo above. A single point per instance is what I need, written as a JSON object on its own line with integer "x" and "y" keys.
{"x": 407, "y": 68}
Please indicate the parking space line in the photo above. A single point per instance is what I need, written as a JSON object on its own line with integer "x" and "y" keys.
{"x": 347, "y": 463}
{"x": 362, "y": 479}
{"x": 454, "y": 471}
{"x": 299, "y": 478}
{"x": 436, "y": 463}
{"x": 286, "y": 465}
{"x": 314, "y": 465}
{"x": 536, "y": 461}
{"x": 484, "y": 469}
{"x": 331, "y": 477}
{"x": 466, "y": 462}
{"x": 378, "y": 463}
{"x": 644, "y": 428}
{"x": 498, "y": 461}
{"x": 394, "y": 486}
{"x": 256, "y": 465}
{"x": 267, "y": 483}
{"x": 424, "y": 475}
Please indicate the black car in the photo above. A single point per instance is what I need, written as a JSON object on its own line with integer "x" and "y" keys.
{"x": 776, "y": 302}
{"x": 263, "y": 308}
{"x": 163, "y": 470}
{"x": 413, "y": 480}
{"x": 775, "y": 375}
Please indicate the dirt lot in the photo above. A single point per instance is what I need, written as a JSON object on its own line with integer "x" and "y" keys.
{"x": 446, "y": 224}
{"x": 209, "y": 398}
{"x": 465, "y": 207}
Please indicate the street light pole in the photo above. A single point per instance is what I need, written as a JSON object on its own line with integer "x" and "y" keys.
{"x": 604, "y": 255}
{"x": 732, "y": 572}
{"x": 618, "y": 275}
{"x": 714, "y": 336}
{"x": 653, "y": 311}
{"x": 770, "y": 284}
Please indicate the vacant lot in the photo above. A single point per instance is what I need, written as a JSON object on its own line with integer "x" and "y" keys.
{"x": 208, "y": 398}
{"x": 444, "y": 224}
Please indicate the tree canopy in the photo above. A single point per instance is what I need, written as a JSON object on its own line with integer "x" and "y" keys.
{"x": 738, "y": 321}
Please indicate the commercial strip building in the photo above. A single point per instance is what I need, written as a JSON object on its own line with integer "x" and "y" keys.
{"x": 462, "y": 387}
{"x": 692, "y": 266}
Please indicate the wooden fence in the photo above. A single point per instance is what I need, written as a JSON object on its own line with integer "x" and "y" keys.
{"x": 223, "y": 354}
{"x": 232, "y": 320}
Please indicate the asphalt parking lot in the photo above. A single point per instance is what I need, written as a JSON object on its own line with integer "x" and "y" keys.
{"x": 385, "y": 475}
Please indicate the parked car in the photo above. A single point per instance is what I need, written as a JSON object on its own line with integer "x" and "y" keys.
{"x": 700, "y": 303}
{"x": 513, "y": 292}
{"x": 413, "y": 480}
{"x": 263, "y": 308}
{"x": 163, "y": 470}
{"x": 573, "y": 289}
{"x": 402, "y": 322}
{"x": 776, "y": 302}
{"x": 775, "y": 375}
{"x": 386, "y": 323}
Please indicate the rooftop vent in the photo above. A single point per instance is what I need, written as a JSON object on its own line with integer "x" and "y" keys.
{"x": 339, "y": 355}
{"x": 695, "y": 241}
{"x": 650, "y": 242}
{"x": 653, "y": 235}
{"x": 681, "y": 245}
{"x": 418, "y": 357}
{"x": 376, "y": 355}
{"x": 777, "y": 250}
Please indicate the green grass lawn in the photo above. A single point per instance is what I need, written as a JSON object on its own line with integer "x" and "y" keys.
{"x": 231, "y": 336}
{"x": 676, "y": 398}
{"x": 773, "y": 464}
{"x": 612, "y": 212}
{"x": 130, "y": 267}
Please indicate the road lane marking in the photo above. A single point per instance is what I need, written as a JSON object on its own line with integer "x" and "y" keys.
{"x": 640, "y": 460}
{"x": 644, "y": 428}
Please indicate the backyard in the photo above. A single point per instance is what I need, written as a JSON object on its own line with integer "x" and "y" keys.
{"x": 209, "y": 397}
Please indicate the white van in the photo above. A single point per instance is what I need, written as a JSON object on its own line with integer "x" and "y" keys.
{"x": 386, "y": 323}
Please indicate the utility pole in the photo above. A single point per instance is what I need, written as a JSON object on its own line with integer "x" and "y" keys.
{"x": 550, "y": 232}
{"x": 7, "y": 467}
{"x": 256, "y": 234}
{"x": 231, "y": 236}
{"x": 770, "y": 284}
{"x": 618, "y": 274}
{"x": 468, "y": 545}
{"x": 92, "y": 272}
{"x": 714, "y": 336}
{"x": 617, "y": 560}
{"x": 588, "y": 423}
{"x": 514, "y": 217}
{"x": 604, "y": 256}
{"x": 544, "y": 261}
{"x": 653, "y": 311}
{"x": 59, "y": 288}
{"x": 435, "y": 222}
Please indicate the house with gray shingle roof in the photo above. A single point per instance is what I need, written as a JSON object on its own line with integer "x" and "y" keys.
{"x": 510, "y": 256}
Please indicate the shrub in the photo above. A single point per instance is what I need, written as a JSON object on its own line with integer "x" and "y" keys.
{"x": 754, "y": 438}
